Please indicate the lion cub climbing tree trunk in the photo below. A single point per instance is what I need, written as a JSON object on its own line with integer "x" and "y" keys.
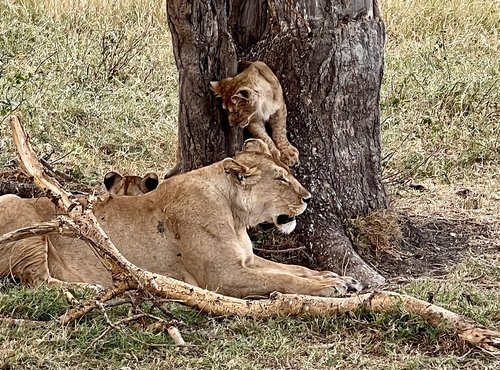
{"x": 328, "y": 56}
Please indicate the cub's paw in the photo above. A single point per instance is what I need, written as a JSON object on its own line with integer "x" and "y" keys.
{"x": 290, "y": 155}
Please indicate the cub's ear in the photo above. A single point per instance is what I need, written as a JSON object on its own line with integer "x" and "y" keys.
{"x": 110, "y": 179}
{"x": 256, "y": 145}
{"x": 243, "y": 93}
{"x": 242, "y": 174}
{"x": 216, "y": 87}
{"x": 149, "y": 182}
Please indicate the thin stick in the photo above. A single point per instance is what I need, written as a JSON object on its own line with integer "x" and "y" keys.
{"x": 288, "y": 250}
{"x": 23, "y": 322}
{"x": 43, "y": 228}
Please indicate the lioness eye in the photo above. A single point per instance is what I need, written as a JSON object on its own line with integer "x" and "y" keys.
{"x": 282, "y": 179}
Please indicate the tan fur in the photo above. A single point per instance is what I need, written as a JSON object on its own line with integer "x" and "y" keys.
{"x": 192, "y": 227}
{"x": 254, "y": 97}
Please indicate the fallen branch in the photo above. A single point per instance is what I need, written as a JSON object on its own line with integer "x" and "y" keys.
{"x": 84, "y": 308}
{"x": 128, "y": 276}
{"x": 23, "y": 322}
{"x": 43, "y": 228}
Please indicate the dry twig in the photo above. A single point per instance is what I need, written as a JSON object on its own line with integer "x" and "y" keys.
{"x": 22, "y": 322}
{"x": 43, "y": 228}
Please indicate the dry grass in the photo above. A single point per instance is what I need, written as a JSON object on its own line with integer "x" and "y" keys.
{"x": 440, "y": 99}
{"x": 378, "y": 232}
{"x": 96, "y": 82}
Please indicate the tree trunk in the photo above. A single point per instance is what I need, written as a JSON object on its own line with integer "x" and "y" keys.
{"x": 328, "y": 56}
{"x": 203, "y": 51}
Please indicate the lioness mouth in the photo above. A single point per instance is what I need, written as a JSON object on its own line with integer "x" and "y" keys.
{"x": 284, "y": 219}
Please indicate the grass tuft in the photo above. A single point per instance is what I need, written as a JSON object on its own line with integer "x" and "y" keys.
{"x": 440, "y": 96}
{"x": 378, "y": 232}
{"x": 95, "y": 82}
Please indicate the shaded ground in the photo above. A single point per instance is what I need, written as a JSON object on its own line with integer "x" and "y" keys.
{"x": 13, "y": 181}
{"x": 430, "y": 244}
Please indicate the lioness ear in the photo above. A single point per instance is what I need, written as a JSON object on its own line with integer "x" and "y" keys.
{"x": 111, "y": 178}
{"x": 256, "y": 145}
{"x": 243, "y": 174}
{"x": 149, "y": 182}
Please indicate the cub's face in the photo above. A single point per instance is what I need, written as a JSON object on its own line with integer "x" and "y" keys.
{"x": 266, "y": 188}
{"x": 117, "y": 184}
{"x": 240, "y": 101}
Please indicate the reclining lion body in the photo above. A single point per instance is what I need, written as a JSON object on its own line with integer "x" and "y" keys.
{"x": 192, "y": 228}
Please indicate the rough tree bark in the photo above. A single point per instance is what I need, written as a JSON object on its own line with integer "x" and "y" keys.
{"x": 328, "y": 56}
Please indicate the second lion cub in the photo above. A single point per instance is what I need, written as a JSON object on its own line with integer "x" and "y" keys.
{"x": 254, "y": 97}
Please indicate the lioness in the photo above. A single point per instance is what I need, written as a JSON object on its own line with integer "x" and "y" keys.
{"x": 30, "y": 258}
{"x": 252, "y": 98}
{"x": 192, "y": 227}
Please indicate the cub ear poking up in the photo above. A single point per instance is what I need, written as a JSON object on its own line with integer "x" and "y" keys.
{"x": 110, "y": 179}
{"x": 149, "y": 182}
{"x": 216, "y": 88}
{"x": 244, "y": 94}
{"x": 242, "y": 174}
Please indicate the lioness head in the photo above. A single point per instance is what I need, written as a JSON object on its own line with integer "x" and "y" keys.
{"x": 117, "y": 184}
{"x": 267, "y": 190}
{"x": 238, "y": 99}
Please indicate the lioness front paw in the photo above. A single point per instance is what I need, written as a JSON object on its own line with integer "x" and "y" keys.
{"x": 345, "y": 284}
{"x": 289, "y": 155}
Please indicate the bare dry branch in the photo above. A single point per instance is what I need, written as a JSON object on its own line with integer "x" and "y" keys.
{"x": 43, "y": 228}
{"x": 84, "y": 308}
{"x": 23, "y": 322}
{"x": 128, "y": 276}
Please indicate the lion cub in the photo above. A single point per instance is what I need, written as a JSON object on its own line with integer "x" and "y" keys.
{"x": 252, "y": 98}
{"x": 117, "y": 184}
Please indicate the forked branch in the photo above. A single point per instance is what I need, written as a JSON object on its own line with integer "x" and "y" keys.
{"x": 128, "y": 276}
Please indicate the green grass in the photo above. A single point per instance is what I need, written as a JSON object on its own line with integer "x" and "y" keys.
{"x": 361, "y": 340}
{"x": 96, "y": 83}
